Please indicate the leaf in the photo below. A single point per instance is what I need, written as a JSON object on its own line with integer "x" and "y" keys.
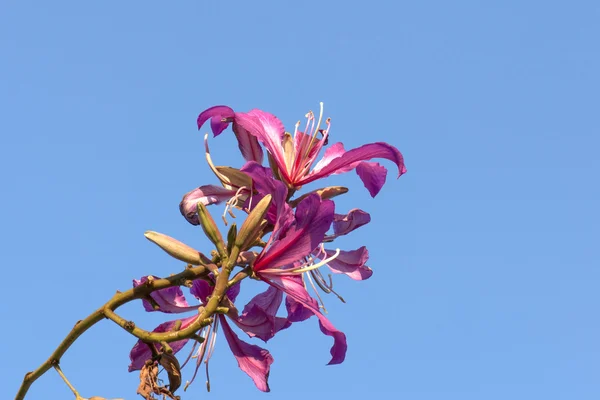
{"x": 171, "y": 365}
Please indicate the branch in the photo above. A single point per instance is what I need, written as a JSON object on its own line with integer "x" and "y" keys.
{"x": 118, "y": 300}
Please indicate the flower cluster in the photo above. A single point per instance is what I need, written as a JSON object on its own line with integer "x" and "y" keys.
{"x": 284, "y": 241}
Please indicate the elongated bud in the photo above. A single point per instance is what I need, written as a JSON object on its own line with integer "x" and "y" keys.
{"x": 253, "y": 224}
{"x": 325, "y": 193}
{"x": 174, "y": 248}
{"x": 210, "y": 228}
{"x": 231, "y": 236}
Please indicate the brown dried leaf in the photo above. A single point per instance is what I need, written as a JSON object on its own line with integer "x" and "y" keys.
{"x": 171, "y": 365}
{"x": 148, "y": 380}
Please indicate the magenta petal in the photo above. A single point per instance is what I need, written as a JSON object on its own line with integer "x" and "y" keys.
{"x": 216, "y": 114}
{"x": 170, "y": 300}
{"x": 253, "y": 360}
{"x": 208, "y": 194}
{"x": 233, "y": 291}
{"x": 343, "y": 224}
{"x": 334, "y": 151}
{"x": 346, "y": 161}
{"x": 248, "y": 144}
{"x": 296, "y": 311}
{"x": 373, "y": 176}
{"x": 257, "y": 323}
{"x": 268, "y": 129}
{"x": 293, "y": 288}
{"x": 141, "y": 352}
{"x": 312, "y": 219}
{"x": 351, "y": 263}
{"x": 264, "y": 183}
{"x": 201, "y": 290}
{"x": 269, "y": 301}
{"x": 258, "y": 318}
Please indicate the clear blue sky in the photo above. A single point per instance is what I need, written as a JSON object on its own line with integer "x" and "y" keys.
{"x": 486, "y": 273}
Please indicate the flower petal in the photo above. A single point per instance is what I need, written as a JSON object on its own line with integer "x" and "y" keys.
{"x": 170, "y": 300}
{"x": 268, "y": 129}
{"x": 296, "y": 310}
{"x": 337, "y": 161}
{"x": 373, "y": 176}
{"x": 351, "y": 263}
{"x": 253, "y": 360}
{"x": 296, "y": 290}
{"x": 216, "y": 114}
{"x": 232, "y": 292}
{"x": 248, "y": 144}
{"x": 208, "y": 194}
{"x": 312, "y": 219}
{"x": 343, "y": 224}
{"x": 259, "y": 315}
{"x": 141, "y": 352}
{"x": 264, "y": 183}
{"x": 201, "y": 290}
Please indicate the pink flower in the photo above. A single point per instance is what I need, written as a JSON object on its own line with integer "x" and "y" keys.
{"x": 294, "y": 155}
{"x": 278, "y": 264}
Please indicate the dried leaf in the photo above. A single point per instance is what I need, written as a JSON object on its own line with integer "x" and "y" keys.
{"x": 171, "y": 365}
{"x": 148, "y": 380}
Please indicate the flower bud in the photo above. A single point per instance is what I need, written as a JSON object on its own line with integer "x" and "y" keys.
{"x": 253, "y": 224}
{"x": 174, "y": 248}
{"x": 231, "y": 236}
{"x": 210, "y": 228}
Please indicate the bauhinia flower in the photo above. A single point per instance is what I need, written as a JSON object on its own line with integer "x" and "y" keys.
{"x": 257, "y": 320}
{"x": 280, "y": 265}
{"x": 292, "y": 156}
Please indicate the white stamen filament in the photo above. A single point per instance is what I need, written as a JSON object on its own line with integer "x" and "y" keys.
{"x": 303, "y": 269}
{"x": 232, "y": 203}
{"x": 320, "y": 119}
{"x": 322, "y": 305}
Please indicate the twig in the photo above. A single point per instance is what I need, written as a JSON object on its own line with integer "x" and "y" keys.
{"x": 77, "y": 396}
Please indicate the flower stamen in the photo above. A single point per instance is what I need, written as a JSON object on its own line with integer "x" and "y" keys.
{"x": 304, "y": 268}
{"x": 322, "y": 303}
{"x": 232, "y": 202}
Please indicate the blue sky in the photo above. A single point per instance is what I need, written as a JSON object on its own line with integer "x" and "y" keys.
{"x": 486, "y": 273}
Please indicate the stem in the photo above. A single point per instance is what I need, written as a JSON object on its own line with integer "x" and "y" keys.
{"x": 57, "y": 368}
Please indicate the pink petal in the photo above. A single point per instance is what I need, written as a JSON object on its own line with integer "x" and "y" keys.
{"x": 248, "y": 144}
{"x": 264, "y": 183}
{"x": 293, "y": 288}
{"x": 268, "y": 129}
{"x": 343, "y": 224}
{"x": 312, "y": 219}
{"x": 338, "y": 161}
{"x": 258, "y": 318}
{"x": 208, "y": 194}
{"x": 334, "y": 151}
{"x": 373, "y": 176}
{"x": 141, "y": 352}
{"x": 201, "y": 290}
{"x": 216, "y": 114}
{"x": 170, "y": 300}
{"x": 253, "y": 360}
{"x": 351, "y": 263}
{"x": 296, "y": 310}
